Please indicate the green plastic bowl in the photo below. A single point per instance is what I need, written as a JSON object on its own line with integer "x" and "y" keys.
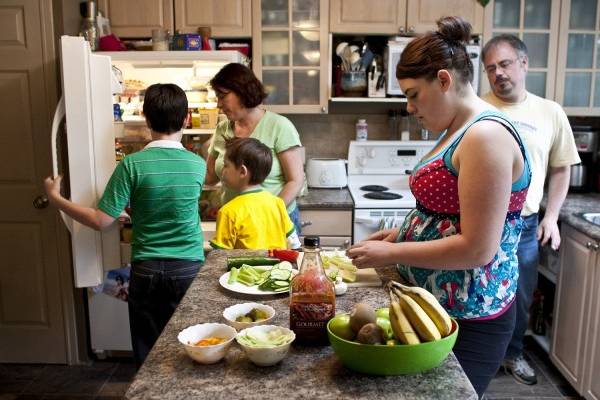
{"x": 400, "y": 359}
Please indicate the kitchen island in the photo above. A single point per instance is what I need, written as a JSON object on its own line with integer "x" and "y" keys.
{"x": 306, "y": 372}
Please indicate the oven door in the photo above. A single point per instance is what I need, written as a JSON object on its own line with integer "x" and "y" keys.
{"x": 367, "y": 222}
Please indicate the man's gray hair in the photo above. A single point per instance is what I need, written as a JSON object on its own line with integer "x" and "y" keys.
{"x": 511, "y": 40}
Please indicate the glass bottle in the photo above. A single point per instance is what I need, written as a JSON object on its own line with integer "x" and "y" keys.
{"x": 312, "y": 297}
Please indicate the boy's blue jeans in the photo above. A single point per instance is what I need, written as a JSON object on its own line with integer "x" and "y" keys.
{"x": 155, "y": 289}
{"x": 528, "y": 255}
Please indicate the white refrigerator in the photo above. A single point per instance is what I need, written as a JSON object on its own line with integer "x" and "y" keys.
{"x": 89, "y": 83}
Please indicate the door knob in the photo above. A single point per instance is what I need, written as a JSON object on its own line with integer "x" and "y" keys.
{"x": 41, "y": 201}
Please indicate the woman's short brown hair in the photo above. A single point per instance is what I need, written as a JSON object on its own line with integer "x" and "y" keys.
{"x": 239, "y": 79}
{"x": 424, "y": 56}
{"x": 251, "y": 153}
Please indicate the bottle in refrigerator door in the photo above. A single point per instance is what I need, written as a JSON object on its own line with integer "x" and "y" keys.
{"x": 312, "y": 297}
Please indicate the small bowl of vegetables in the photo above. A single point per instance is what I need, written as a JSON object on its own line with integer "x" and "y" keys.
{"x": 245, "y": 315}
{"x": 265, "y": 345}
{"x": 207, "y": 343}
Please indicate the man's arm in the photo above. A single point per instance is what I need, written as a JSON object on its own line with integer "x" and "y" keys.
{"x": 558, "y": 186}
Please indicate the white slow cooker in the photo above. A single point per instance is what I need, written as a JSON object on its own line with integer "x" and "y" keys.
{"x": 326, "y": 173}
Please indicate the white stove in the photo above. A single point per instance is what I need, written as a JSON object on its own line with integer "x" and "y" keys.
{"x": 378, "y": 174}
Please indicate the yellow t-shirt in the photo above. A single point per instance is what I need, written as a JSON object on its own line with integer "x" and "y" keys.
{"x": 547, "y": 135}
{"x": 253, "y": 220}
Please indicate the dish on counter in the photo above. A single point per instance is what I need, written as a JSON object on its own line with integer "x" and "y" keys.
{"x": 238, "y": 287}
{"x": 192, "y": 338}
{"x": 233, "y": 313}
{"x": 265, "y": 345}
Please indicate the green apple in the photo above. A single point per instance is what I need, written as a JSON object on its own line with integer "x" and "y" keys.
{"x": 340, "y": 326}
{"x": 386, "y": 326}
{"x": 383, "y": 313}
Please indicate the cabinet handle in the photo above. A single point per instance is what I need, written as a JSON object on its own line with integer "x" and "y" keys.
{"x": 401, "y": 30}
{"x": 323, "y": 109}
{"x": 346, "y": 244}
{"x": 588, "y": 245}
{"x": 595, "y": 246}
{"x": 305, "y": 223}
{"x": 41, "y": 202}
{"x": 411, "y": 29}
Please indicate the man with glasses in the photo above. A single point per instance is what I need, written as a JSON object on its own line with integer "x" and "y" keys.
{"x": 548, "y": 137}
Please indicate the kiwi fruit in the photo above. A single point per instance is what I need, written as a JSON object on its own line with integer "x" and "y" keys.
{"x": 361, "y": 315}
{"x": 370, "y": 334}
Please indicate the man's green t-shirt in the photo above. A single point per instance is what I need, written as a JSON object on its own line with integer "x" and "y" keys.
{"x": 162, "y": 183}
{"x": 276, "y": 132}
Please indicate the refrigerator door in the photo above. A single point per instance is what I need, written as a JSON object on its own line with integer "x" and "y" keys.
{"x": 87, "y": 92}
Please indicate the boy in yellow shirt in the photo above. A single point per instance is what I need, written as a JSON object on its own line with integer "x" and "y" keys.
{"x": 255, "y": 218}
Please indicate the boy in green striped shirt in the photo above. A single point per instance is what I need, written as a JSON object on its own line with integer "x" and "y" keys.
{"x": 162, "y": 183}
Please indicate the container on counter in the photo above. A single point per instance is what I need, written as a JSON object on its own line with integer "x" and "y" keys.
{"x": 187, "y": 41}
{"x": 362, "y": 130}
{"x": 312, "y": 297}
{"x": 160, "y": 40}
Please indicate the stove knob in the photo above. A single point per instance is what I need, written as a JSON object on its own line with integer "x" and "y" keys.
{"x": 372, "y": 153}
{"x": 362, "y": 161}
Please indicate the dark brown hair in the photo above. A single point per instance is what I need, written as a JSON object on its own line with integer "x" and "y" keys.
{"x": 251, "y": 153}
{"x": 424, "y": 56}
{"x": 165, "y": 107}
{"x": 513, "y": 41}
{"x": 239, "y": 79}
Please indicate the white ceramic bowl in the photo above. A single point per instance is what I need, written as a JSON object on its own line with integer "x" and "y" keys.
{"x": 266, "y": 356}
{"x": 206, "y": 354}
{"x": 231, "y": 313}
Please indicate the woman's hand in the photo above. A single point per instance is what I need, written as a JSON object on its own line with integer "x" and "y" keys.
{"x": 387, "y": 235}
{"x": 372, "y": 253}
{"x": 52, "y": 186}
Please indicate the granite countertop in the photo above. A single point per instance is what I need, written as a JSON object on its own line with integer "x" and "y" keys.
{"x": 576, "y": 203}
{"x": 306, "y": 372}
{"x": 326, "y": 198}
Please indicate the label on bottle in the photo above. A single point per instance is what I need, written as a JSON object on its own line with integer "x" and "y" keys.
{"x": 309, "y": 321}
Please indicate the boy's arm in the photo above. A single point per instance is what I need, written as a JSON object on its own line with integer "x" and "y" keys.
{"x": 91, "y": 217}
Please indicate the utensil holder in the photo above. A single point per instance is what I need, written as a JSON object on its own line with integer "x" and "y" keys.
{"x": 354, "y": 83}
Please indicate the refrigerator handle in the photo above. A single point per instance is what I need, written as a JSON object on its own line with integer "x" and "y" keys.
{"x": 59, "y": 115}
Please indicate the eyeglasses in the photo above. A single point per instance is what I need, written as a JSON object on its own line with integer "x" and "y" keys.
{"x": 504, "y": 65}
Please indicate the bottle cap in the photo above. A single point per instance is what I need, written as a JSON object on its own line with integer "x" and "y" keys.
{"x": 362, "y": 121}
{"x": 311, "y": 241}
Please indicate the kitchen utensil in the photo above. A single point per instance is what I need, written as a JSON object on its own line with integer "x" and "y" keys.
{"x": 366, "y": 59}
{"x": 347, "y": 54}
{"x": 354, "y": 83}
{"x": 354, "y": 48}
{"x": 206, "y": 354}
{"x": 354, "y": 61}
{"x": 339, "y": 50}
{"x": 326, "y": 172}
{"x": 392, "y": 360}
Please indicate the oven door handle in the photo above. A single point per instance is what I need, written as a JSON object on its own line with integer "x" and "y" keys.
{"x": 367, "y": 221}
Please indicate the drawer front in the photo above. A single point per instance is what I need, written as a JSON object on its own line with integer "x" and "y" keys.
{"x": 326, "y": 223}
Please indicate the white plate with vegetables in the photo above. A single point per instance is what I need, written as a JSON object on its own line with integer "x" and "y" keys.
{"x": 259, "y": 280}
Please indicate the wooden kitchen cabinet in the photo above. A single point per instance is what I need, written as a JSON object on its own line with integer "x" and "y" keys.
{"x": 290, "y": 42}
{"x": 574, "y": 350}
{"x": 137, "y": 18}
{"x": 399, "y": 16}
{"x": 227, "y": 18}
{"x": 334, "y": 227}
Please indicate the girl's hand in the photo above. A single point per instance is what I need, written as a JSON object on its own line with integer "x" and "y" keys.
{"x": 387, "y": 235}
{"x": 372, "y": 253}
{"x": 52, "y": 186}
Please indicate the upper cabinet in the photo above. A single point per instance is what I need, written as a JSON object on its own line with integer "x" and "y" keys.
{"x": 290, "y": 45}
{"x": 137, "y": 18}
{"x": 399, "y": 16}
{"x": 578, "y": 77}
{"x": 227, "y": 18}
{"x": 536, "y": 23}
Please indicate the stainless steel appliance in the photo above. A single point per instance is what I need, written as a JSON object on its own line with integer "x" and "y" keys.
{"x": 378, "y": 173}
{"x": 586, "y": 140}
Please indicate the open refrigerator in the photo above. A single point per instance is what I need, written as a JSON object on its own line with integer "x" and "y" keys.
{"x": 90, "y": 82}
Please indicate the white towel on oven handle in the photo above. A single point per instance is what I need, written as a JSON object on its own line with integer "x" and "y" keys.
{"x": 389, "y": 222}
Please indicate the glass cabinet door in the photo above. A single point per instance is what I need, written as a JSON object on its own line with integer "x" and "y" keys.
{"x": 535, "y": 22}
{"x": 579, "y": 58}
{"x": 293, "y": 38}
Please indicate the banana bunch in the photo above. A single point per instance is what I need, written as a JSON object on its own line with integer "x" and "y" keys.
{"x": 415, "y": 314}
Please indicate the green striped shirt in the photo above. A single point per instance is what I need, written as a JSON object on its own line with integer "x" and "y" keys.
{"x": 162, "y": 183}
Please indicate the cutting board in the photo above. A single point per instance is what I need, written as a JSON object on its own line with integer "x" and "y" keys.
{"x": 366, "y": 277}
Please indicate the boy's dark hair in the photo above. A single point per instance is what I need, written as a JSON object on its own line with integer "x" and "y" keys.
{"x": 251, "y": 153}
{"x": 517, "y": 44}
{"x": 165, "y": 107}
{"x": 239, "y": 79}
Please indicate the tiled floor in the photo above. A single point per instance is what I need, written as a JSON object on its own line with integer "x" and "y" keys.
{"x": 108, "y": 380}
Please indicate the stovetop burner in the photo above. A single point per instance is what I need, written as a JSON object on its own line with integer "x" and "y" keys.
{"x": 383, "y": 195}
{"x": 374, "y": 188}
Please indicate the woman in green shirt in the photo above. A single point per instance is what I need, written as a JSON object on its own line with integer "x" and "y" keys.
{"x": 239, "y": 96}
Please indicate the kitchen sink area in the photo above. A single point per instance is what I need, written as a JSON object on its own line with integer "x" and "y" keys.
{"x": 593, "y": 217}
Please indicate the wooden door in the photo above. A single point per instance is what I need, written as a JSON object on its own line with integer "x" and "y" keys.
{"x": 570, "y": 307}
{"x": 32, "y": 285}
{"x": 592, "y": 384}
{"x": 367, "y": 16}
{"x": 227, "y": 18}
{"x": 137, "y": 18}
{"x": 422, "y": 14}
